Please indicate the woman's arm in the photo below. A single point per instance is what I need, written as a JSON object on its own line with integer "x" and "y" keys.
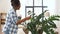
{"x": 20, "y": 21}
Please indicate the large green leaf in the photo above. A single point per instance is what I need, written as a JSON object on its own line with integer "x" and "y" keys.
{"x": 47, "y": 25}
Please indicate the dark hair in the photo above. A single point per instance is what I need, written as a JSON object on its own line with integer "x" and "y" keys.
{"x": 15, "y": 2}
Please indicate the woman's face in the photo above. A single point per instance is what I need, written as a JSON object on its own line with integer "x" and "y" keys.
{"x": 17, "y": 7}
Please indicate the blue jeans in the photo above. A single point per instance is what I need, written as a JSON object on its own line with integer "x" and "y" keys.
{"x": 6, "y": 32}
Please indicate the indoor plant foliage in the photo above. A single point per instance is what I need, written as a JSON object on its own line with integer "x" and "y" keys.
{"x": 39, "y": 25}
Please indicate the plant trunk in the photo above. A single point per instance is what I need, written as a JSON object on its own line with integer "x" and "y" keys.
{"x": 37, "y": 32}
{"x": 40, "y": 31}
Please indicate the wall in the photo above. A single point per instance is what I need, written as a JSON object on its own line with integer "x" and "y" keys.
{"x": 58, "y": 12}
{"x": 4, "y": 5}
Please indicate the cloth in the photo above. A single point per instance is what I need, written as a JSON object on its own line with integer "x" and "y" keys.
{"x": 10, "y": 23}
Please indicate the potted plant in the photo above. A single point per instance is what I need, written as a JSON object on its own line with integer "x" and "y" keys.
{"x": 38, "y": 24}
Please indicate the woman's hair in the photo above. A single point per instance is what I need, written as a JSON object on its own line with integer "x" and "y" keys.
{"x": 15, "y": 3}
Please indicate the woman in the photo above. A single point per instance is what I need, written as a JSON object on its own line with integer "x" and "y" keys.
{"x": 12, "y": 21}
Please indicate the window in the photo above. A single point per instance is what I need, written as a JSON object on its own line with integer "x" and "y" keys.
{"x": 49, "y": 3}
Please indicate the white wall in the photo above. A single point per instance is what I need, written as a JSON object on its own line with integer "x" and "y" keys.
{"x": 4, "y": 5}
{"x": 58, "y": 6}
{"x": 58, "y": 12}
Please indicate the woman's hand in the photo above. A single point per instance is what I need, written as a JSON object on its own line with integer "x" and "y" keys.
{"x": 20, "y": 21}
{"x": 27, "y": 18}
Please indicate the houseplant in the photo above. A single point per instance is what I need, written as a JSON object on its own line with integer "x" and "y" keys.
{"x": 39, "y": 25}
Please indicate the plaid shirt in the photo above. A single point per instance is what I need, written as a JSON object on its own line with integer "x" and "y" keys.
{"x": 10, "y": 22}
